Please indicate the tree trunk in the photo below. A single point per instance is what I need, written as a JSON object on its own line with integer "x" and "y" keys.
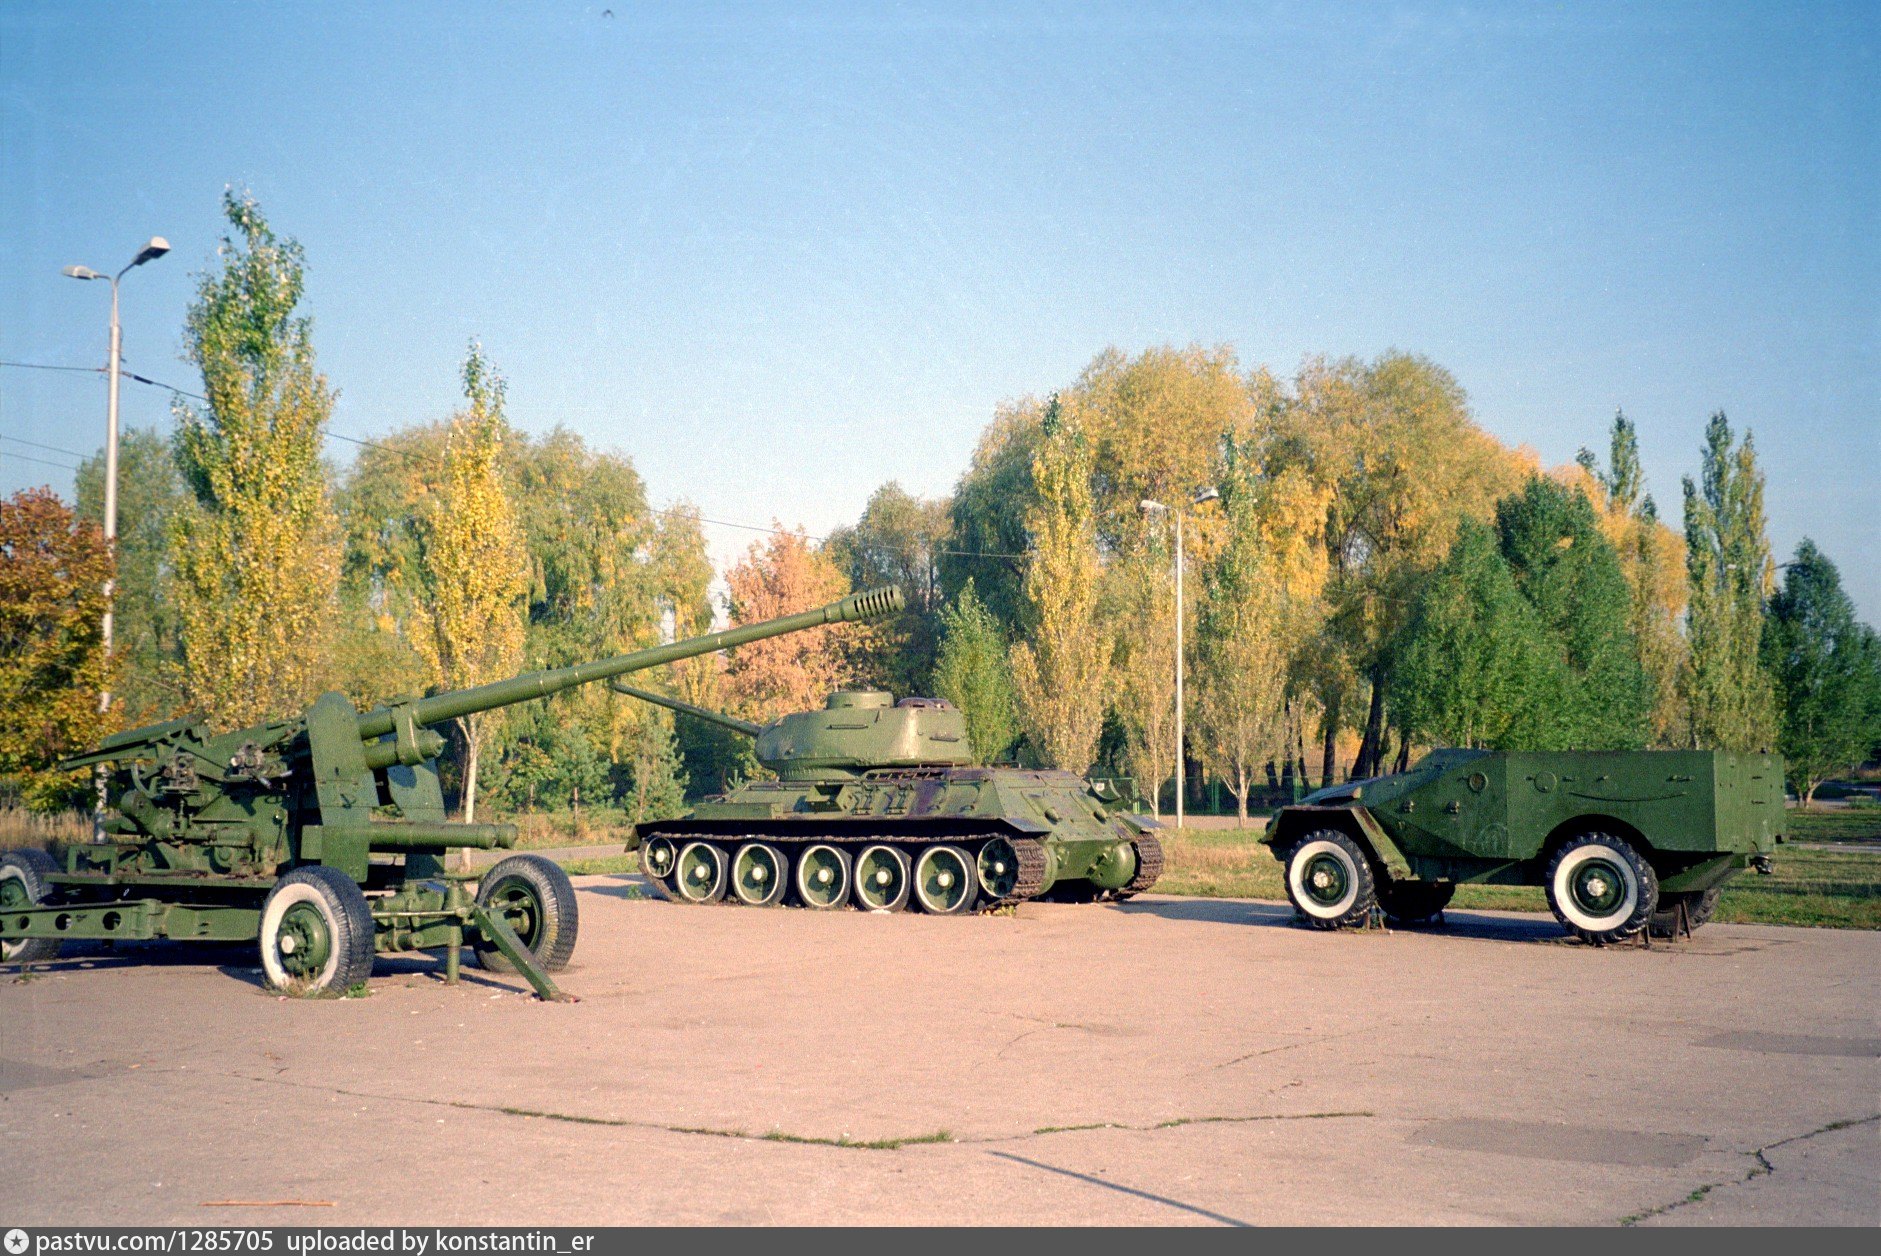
{"x": 1329, "y": 755}
{"x": 1369, "y": 754}
{"x": 1404, "y": 755}
{"x": 473, "y": 748}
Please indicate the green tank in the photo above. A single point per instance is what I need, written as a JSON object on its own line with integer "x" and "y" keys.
{"x": 279, "y": 834}
{"x": 878, "y": 805}
{"x": 1622, "y": 841}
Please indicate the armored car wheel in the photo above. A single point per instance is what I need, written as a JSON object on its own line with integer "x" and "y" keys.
{"x": 1330, "y": 880}
{"x": 945, "y": 882}
{"x": 1414, "y": 902}
{"x": 1699, "y": 906}
{"x": 316, "y": 933}
{"x": 882, "y": 879}
{"x": 25, "y": 881}
{"x": 822, "y": 877}
{"x": 536, "y": 900}
{"x": 1601, "y": 889}
{"x": 759, "y": 874}
{"x": 702, "y": 873}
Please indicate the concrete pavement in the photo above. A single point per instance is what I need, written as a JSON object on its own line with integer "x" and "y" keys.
{"x": 1165, "y": 1061}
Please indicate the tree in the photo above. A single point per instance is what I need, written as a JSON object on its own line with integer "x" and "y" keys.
{"x": 1059, "y": 669}
{"x": 897, "y": 541}
{"x": 53, "y": 569}
{"x": 972, "y": 672}
{"x": 1474, "y": 668}
{"x": 256, "y": 553}
{"x": 1827, "y": 669}
{"x": 1652, "y": 556}
{"x": 1568, "y": 572}
{"x": 1732, "y": 704}
{"x": 473, "y": 563}
{"x": 145, "y": 649}
{"x": 782, "y": 575}
{"x": 1141, "y": 604}
{"x": 1260, "y": 607}
{"x": 991, "y": 503}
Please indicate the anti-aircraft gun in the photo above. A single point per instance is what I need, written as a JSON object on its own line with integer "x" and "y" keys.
{"x": 880, "y": 805}
{"x": 273, "y": 833}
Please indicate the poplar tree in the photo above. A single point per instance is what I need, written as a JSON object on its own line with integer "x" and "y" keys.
{"x": 1827, "y": 668}
{"x": 256, "y": 553}
{"x": 1729, "y": 573}
{"x": 1060, "y": 669}
{"x": 472, "y": 564}
{"x": 972, "y": 673}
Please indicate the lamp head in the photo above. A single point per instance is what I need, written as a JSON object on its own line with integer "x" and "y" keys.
{"x": 157, "y": 247}
{"x": 1209, "y": 494}
{"x": 1149, "y": 507}
{"x": 82, "y": 272}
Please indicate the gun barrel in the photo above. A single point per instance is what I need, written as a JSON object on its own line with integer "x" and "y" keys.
{"x": 438, "y": 708}
{"x": 686, "y": 708}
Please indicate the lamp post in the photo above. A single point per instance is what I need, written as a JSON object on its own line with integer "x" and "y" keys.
{"x": 1157, "y": 508}
{"x": 157, "y": 247}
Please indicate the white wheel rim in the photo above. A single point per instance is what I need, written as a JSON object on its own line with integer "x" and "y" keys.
{"x": 9, "y": 949}
{"x": 1563, "y": 887}
{"x": 772, "y": 883}
{"x": 962, "y": 869}
{"x": 874, "y": 895}
{"x": 650, "y": 857}
{"x": 278, "y": 903}
{"x": 700, "y": 891}
{"x": 1296, "y": 871}
{"x": 826, "y": 895}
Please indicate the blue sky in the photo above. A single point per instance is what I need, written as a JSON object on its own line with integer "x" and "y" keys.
{"x": 779, "y": 255}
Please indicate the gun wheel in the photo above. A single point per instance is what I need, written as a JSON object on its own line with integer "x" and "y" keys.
{"x": 759, "y": 874}
{"x": 25, "y": 881}
{"x": 1414, "y": 902}
{"x": 1601, "y": 889}
{"x": 882, "y": 879}
{"x": 535, "y": 899}
{"x": 1699, "y": 906}
{"x": 316, "y": 933}
{"x": 945, "y": 882}
{"x": 822, "y": 877}
{"x": 1330, "y": 880}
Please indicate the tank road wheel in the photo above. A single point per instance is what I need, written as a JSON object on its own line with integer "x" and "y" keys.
{"x": 1414, "y": 902}
{"x": 701, "y": 873}
{"x": 1699, "y": 906}
{"x": 1601, "y": 889}
{"x": 882, "y": 879}
{"x": 944, "y": 881}
{"x": 822, "y": 877}
{"x": 1330, "y": 881}
{"x": 658, "y": 857}
{"x": 759, "y": 875}
{"x": 316, "y": 933}
{"x": 998, "y": 866}
{"x": 535, "y": 898}
{"x": 25, "y": 881}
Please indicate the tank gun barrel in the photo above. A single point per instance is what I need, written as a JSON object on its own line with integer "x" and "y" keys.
{"x": 438, "y": 708}
{"x": 686, "y": 708}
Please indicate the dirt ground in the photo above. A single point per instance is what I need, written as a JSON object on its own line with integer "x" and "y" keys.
{"x": 1165, "y": 1061}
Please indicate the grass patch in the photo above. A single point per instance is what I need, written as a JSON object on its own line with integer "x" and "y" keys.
{"x": 1825, "y": 888}
{"x": 870, "y": 1144}
{"x": 45, "y": 830}
{"x": 612, "y": 865}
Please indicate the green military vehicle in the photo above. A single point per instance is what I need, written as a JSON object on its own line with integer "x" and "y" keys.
{"x": 1622, "y": 841}
{"x": 878, "y": 805}
{"x": 283, "y": 834}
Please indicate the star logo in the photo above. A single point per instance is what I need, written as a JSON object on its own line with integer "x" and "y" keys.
{"x": 16, "y": 1242}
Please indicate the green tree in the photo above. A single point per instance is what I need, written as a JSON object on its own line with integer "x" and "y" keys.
{"x": 1568, "y": 572}
{"x": 146, "y": 650}
{"x": 972, "y": 672}
{"x": 53, "y": 568}
{"x": 472, "y": 564}
{"x": 256, "y": 553}
{"x": 1474, "y": 667}
{"x": 1728, "y": 568}
{"x": 1140, "y": 608}
{"x": 991, "y": 503}
{"x": 897, "y": 541}
{"x": 1060, "y": 668}
{"x": 1827, "y": 669}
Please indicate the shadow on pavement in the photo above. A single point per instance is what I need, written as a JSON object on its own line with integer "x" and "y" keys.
{"x": 1456, "y": 924}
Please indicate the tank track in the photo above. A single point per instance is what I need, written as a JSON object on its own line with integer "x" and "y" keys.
{"x": 1031, "y": 854}
{"x": 1149, "y": 866}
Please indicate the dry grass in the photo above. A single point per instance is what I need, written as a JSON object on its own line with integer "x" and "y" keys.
{"x": 20, "y": 827}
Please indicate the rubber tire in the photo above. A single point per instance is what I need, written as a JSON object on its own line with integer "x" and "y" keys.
{"x": 1353, "y": 909}
{"x": 554, "y": 945}
{"x": 683, "y": 889}
{"x": 1620, "y": 852}
{"x": 779, "y": 887}
{"x": 34, "y": 869}
{"x": 970, "y": 869}
{"x": 905, "y": 870}
{"x": 844, "y": 860}
{"x": 1699, "y": 907}
{"x": 1414, "y": 902}
{"x": 348, "y": 919}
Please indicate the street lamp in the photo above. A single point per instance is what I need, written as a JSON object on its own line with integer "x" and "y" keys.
{"x": 157, "y": 247}
{"x": 1149, "y": 507}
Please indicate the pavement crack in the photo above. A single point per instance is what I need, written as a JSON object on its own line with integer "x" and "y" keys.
{"x": 1763, "y": 1168}
{"x": 1173, "y": 1123}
